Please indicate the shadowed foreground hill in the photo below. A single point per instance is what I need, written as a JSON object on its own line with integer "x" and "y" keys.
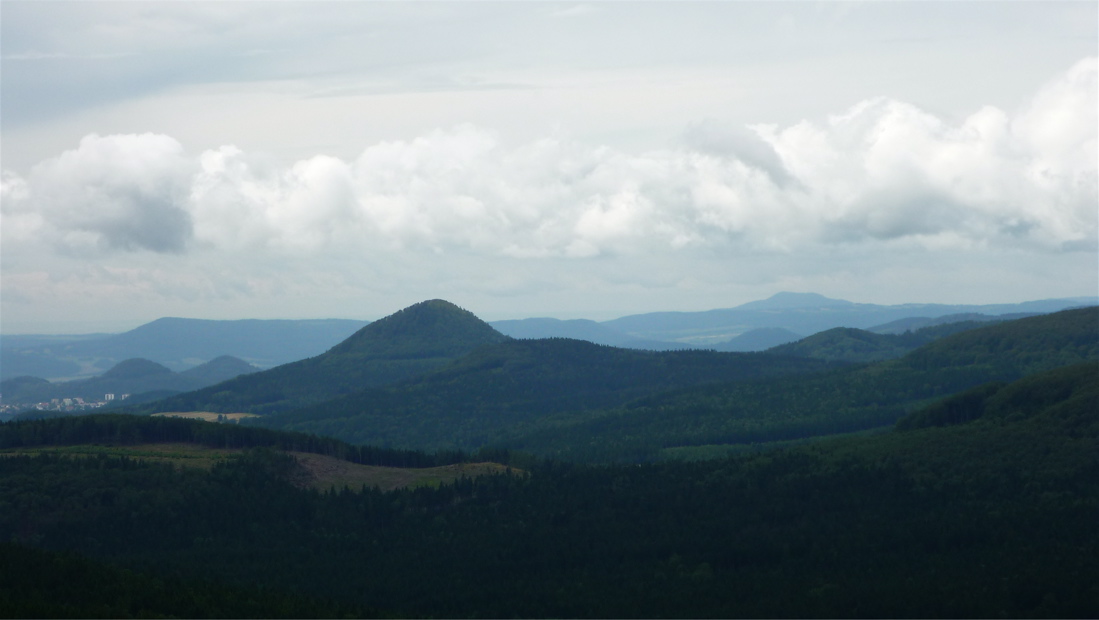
{"x": 407, "y": 343}
{"x": 990, "y": 517}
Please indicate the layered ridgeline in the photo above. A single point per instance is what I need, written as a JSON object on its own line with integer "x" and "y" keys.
{"x": 758, "y": 339}
{"x": 580, "y": 329}
{"x": 177, "y": 343}
{"x": 848, "y": 344}
{"x": 714, "y": 420}
{"x": 413, "y": 341}
{"x": 806, "y": 313}
{"x": 578, "y": 401}
{"x": 130, "y": 377}
{"x": 984, "y": 507}
{"x": 497, "y": 389}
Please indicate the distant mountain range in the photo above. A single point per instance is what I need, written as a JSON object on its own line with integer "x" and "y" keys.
{"x": 805, "y": 313}
{"x": 760, "y": 325}
{"x": 176, "y": 343}
{"x": 132, "y": 376}
{"x": 579, "y": 329}
{"x": 434, "y": 376}
{"x": 180, "y": 344}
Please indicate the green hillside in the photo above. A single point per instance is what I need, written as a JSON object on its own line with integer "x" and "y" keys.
{"x": 487, "y": 395}
{"x": 1070, "y": 391}
{"x": 790, "y": 408}
{"x": 410, "y": 342}
{"x": 847, "y": 344}
{"x": 991, "y": 518}
{"x": 859, "y": 346}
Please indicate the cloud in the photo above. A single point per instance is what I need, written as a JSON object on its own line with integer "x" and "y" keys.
{"x": 122, "y": 192}
{"x": 737, "y": 142}
{"x": 888, "y": 170}
{"x": 573, "y": 11}
{"x": 884, "y": 171}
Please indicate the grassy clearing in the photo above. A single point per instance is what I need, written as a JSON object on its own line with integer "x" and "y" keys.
{"x": 208, "y": 416}
{"x": 324, "y": 472}
{"x": 332, "y": 473}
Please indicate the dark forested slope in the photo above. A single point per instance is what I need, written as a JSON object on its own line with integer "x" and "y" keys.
{"x": 488, "y": 394}
{"x": 40, "y": 584}
{"x": 991, "y": 517}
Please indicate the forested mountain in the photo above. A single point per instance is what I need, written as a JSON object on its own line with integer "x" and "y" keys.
{"x": 914, "y": 323}
{"x": 133, "y": 376}
{"x": 847, "y": 344}
{"x": 579, "y": 401}
{"x": 711, "y": 419}
{"x": 405, "y": 344}
{"x": 1066, "y": 393}
{"x": 180, "y": 343}
{"x": 803, "y": 313}
{"x": 219, "y": 369}
{"x": 483, "y": 397}
{"x": 173, "y": 342}
{"x": 987, "y": 515}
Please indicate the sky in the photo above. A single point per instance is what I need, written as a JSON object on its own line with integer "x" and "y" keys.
{"x": 530, "y": 159}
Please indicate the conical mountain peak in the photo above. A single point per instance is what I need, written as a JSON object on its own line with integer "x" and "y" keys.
{"x": 405, "y": 344}
{"x": 433, "y": 328}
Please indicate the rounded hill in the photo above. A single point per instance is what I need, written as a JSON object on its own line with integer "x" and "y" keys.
{"x": 434, "y": 328}
{"x": 408, "y": 343}
{"x": 136, "y": 368}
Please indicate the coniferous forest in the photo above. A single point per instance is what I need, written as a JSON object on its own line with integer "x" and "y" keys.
{"x": 959, "y": 480}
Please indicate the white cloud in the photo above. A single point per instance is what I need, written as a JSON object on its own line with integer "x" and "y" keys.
{"x": 123, "y": 192}
{"x": 882, "y": 171}
{"x": 887, "y": 169}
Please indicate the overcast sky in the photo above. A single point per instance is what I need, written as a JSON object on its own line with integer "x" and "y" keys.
{"x": 347, "y": 159}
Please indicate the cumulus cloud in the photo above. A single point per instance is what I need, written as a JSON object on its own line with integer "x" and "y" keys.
{"x": 738, "y": 142}
{"x": 884, "y": 171}
{"x": 122, "y": 192}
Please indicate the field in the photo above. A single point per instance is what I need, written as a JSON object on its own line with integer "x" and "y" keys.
{"x": 207, "y": 416}
{"x": 321, "y": 472}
